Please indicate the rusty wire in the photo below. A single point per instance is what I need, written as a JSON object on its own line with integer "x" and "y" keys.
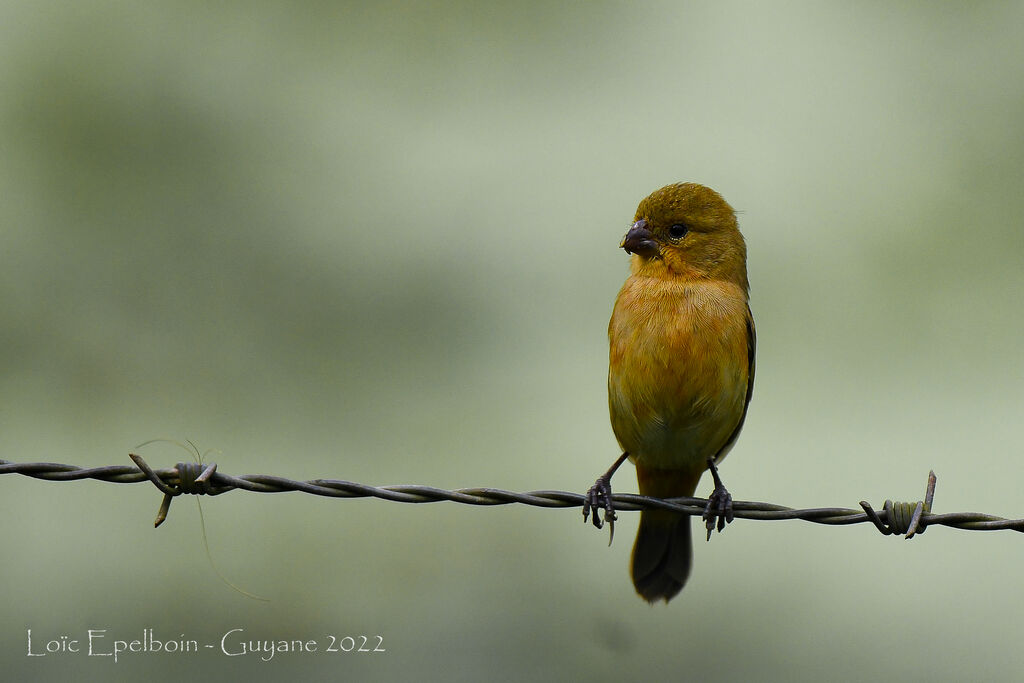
{"x": 905, "y": 519}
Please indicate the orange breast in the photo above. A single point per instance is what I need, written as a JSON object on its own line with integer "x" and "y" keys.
{"x": 677, "y": 378}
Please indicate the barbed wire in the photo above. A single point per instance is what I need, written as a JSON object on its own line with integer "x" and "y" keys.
{"x": 905, "y": 519}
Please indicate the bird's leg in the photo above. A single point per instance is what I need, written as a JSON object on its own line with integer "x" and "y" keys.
{"x": 600, "y": 496}
{"x": 719, "y": 507}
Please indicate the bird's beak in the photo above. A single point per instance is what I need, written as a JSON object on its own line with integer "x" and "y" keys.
{"x": 639, "y": 240}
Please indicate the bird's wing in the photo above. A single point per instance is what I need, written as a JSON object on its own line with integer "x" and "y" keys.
{"x": 751, "y": 352}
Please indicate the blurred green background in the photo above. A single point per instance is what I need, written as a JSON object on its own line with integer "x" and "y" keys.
{"x": 378, "y": 242}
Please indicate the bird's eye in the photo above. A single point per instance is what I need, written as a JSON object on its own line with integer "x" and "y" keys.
{"x": 677, "y": 231}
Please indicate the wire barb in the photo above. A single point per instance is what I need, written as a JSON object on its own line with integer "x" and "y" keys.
{"x": 907, "y": 519}
{"x": 334, "y": 488}
{"x": 192, "y": 478}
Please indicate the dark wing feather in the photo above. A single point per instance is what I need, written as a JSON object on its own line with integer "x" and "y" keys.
{"x": 751, "y": 352}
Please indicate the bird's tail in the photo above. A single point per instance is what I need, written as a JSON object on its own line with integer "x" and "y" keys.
{"x": 663, "y": 551}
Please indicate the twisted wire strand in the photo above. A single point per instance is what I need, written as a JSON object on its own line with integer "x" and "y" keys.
{"x": 887, "y": 520}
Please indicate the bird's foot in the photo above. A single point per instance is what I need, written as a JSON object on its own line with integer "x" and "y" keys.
{"x": 718, "y": 511}
{"x": 599, "y": 497}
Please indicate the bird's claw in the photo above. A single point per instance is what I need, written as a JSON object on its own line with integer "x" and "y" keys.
{"x": 718, "y": 511}
{"x": 599, "y": 497}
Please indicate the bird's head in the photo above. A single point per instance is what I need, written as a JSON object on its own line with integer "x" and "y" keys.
{"x": 687, "y": 231}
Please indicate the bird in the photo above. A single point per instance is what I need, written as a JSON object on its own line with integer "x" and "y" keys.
{"x": 680, "y": 372}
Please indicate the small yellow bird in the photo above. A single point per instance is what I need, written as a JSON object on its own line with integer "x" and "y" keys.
{"x": 681, "y": 370}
